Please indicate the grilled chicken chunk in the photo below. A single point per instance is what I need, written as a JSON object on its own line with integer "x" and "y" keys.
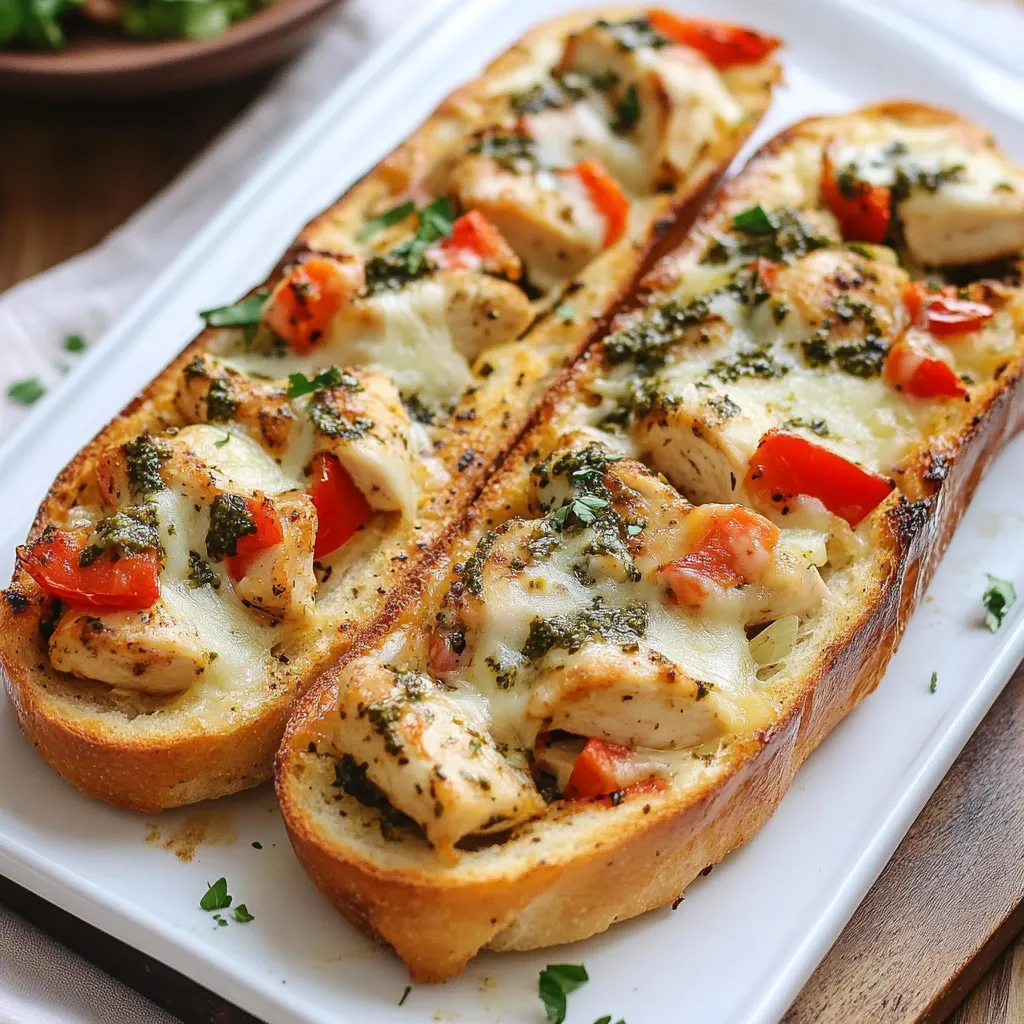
{"x": 547, "y": 218}
{"x": 477, "y": 311}
{"x": 638, "y": 699}
{"x": 965, "y": 223}
{"x": 364, "y": 423}
{"x": 699, "y": 443}
{"x": 668, "y": 103}
{"x": 210, "y": 391}
{"x": 280, "y": 579}
{"x": 425, "y": 748}
{"x": 957, "y": 203}
{"x": 152, "y": 650}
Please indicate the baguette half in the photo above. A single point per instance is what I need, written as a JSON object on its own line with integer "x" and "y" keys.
{"x": 649, "y": 392}
{"x": 135, "y": 746}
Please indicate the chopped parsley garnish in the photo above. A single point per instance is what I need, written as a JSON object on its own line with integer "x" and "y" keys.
{"x": 299, "y": 384}
{"x": 754, "y": 221}
{"x": 387, "y": 219}
{"x": 997, "y": 599}
{"x": 406, "y": 262}
{"x": 628, "y": 113}
{"x": 241, "y": 314}
{"x": 143, "y": 458}
{"x": 565, "y": 311}
{"x": 26, "y": 392}
{"x": 607, "y": 1019}
{"x": 781, "y": 235}
{"x": 216, "y": 897}
{"x": 257, "y": 845}
{"x": 230, "y": 520}
{"x": 223, "y": 441}
{"x": 581, "y": 510}
{"x": 554, "y": 985}
{"x": 75, "y": 343}
{"x": 242, "y": 915}
{"x": 934, "y": 684}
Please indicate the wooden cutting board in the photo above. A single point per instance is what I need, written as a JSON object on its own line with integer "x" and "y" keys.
{"x": 948, "y": 902}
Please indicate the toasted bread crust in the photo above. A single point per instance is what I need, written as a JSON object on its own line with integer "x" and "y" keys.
{"x": 97, "y": 747}
{"x": 612, "y": 866}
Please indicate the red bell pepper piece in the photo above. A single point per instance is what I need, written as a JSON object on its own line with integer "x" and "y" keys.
{"x": 724, "y": 44}
{"x": 602, "y": 768}
{"x": 476, "y": 243}
{"x": 267, "y": 533}
{"x": 340, "y": 506}
{"x": 607, "y": 196}
{"x": 304, "y": 303}
{"x": 909, "y": 368}
{"x": 943, "y": 312}
{"x": 787, "y": 465}
{"x": 863, "y": 210}
{"x": 734, "y": 549}
{"x": 115, "y": 584}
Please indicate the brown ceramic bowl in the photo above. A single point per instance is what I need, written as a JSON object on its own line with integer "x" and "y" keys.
{"x": 107, "y": 65}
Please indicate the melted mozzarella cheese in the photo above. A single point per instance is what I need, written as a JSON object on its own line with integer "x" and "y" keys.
{"x": 240, "y": 462}
{"x": 221, "y": 622}
{"x": 404, "y": 333}
{"x": 713, "y": 650}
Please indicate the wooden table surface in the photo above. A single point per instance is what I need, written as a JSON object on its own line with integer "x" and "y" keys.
{"x": 950, "y": 901}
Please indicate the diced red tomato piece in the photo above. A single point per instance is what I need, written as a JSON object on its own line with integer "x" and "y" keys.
{"x": 766, "y": 270}
{"x": 911, "y": 369}
{"x": 863, "y": 211}
{"x": 603, "y": 768}
{"x": 943, "y": 312}
{"x": 734, "y": 548}
{"x": 267, "y": 533}
{"x": 723, "y": 43}
{"x": 607, "y": 196}
{"x": 121, "y": 584}
{"x": 303, "y": 304}
{"x": 474, "y": 243}
{"x": 340, "y": 506}
{"x": 787, "y": 465}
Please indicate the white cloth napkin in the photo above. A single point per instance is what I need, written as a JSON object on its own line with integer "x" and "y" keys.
{"x": 42, "y": 982}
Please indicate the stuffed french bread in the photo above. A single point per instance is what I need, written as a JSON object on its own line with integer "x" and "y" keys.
{"x": 230, "y": 530}
{"x": 699, "y": 558}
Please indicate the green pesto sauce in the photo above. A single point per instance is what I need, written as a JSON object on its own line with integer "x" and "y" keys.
{"x": 790, "y": 237}
{"x": 144, "y": 457}
{"x": 221, "y": 401}
{"x": 230, "y": 520}
{"x": 331, "y": 421}
{"x": 132, "y": 530}
{"x": 201, "y": 573}
{"x": 624, "y": 626}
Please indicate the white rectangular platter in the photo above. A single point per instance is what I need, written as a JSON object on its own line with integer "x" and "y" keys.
{"x": 748, "y": 936}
